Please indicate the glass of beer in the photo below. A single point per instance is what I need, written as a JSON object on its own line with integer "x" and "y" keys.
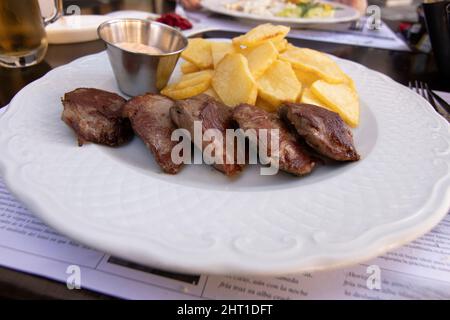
{"x": 23, "y": 41}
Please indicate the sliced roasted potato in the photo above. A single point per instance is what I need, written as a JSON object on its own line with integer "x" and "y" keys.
{"x": 281, "y": 45}
{"x": 350, "y": 82}
{"x": 194, "y": 78}
{"x": 261, "y": 57}
{"x": 314, "y": 61}
{"x": 198, "y": 52}
{"x": 190, "y": 84}
{"x": 262, "y": 68}
{"x": 211, "y": 92}
{"x": 197, "y": 74}
{"x": 219, "y": 50}
{"x": 233, "y": 80}
{"x": 240, "y": 49}
{"x": 188, "y": 67}
{"x": 309, "y": 98}
{"x": 306, "y": 78}
{"x": 262, "y": 33}
{"x": 340, "y": 98}
{"x": 185, "y": 92}
{"x": 279, "y": 84}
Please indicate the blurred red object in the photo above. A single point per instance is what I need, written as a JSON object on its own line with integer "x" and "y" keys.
{"x": 404, "y": 26}
{"x": 174, "y": 20}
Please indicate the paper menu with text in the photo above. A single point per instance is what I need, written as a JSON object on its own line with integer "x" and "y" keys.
{"x": 419, "y": 270}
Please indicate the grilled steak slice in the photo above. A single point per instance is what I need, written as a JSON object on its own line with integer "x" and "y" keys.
{"x": 96, "y": 116}
{"x": 292, "y": 157}
{"x": 150, "y": 118}
{"x": 323, "y": 130}
{"x": 213, "y": 115}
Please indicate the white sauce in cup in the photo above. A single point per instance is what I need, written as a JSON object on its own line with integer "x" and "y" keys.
{"x": 139, "y": 48}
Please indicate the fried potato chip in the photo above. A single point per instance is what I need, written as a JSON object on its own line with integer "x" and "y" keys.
{"x": 185, "y": 92}
{"x": 197, "y": 74}
{"x": 190, "y": 85}
{"x": 194, "y": 78}
{"x": 262, "y": 33}
{"x": 350, "y": 83}
{"x": 314, "y": 61}
{"x": 212, "y": 93}
{"x": 279, "y": 84}
{"x": 281, "y": 45}
{"x": 306, "y": 78}
{"x": 233, "y": 81}
{"x": 219, "y": 50}
{"x": 198, "y": 52}
{"x": 261, "y": 57}
{"x": 262, "y": 68}
{"x": 340, "y": 98}
{"x": 188, "y": 67}
{"x": 309, "y": 98}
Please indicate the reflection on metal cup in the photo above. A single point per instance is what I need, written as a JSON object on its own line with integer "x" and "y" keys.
{"x": 136, "y": 72}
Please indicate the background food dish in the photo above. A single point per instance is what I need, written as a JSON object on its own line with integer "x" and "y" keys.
{"x": 344, "y": 14}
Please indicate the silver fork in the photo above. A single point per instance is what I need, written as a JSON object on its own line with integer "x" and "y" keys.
{"x": 422, "y": 89}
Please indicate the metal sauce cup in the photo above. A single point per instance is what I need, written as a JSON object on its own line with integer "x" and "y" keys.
{"x": 140, "y": 73}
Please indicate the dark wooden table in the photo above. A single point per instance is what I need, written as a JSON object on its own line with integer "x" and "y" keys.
{"x": 401, "y": 66}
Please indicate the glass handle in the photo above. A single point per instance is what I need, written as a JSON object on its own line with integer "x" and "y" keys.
{"x": 59, "y": 11}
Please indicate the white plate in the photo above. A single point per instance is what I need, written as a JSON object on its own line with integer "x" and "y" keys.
{"x": 344, "y": 14}
{"x": 117, "y": 199}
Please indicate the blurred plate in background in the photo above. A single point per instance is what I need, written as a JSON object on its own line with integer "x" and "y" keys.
{"x": 83, "y": 28}
{"x": 343, "y": 14}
